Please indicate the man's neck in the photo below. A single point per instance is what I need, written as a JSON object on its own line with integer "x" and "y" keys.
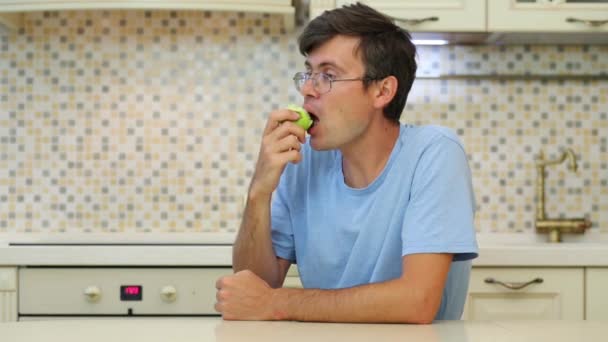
{"x": 364, "y": 160}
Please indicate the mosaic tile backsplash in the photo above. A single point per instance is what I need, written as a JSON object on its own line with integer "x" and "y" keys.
{"x": 134, "y": 121}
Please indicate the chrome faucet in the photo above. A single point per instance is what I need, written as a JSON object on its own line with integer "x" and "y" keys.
{"x": 555, "y": 227}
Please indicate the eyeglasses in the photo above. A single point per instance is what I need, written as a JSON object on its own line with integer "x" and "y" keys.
{"x": 321, "y": 82}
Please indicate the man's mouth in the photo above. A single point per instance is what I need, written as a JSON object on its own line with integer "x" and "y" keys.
{"x": 314, "y": 118}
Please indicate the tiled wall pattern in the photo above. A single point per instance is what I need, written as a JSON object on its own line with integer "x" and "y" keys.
{"x": 133, "y": 121}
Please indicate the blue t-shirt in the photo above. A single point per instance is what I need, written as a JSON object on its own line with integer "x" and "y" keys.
{"x": 422, "y": 202}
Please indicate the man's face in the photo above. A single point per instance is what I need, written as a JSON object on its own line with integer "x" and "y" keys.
{"x": 342, "y": 114}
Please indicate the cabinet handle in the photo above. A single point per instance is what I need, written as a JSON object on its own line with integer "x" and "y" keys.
{"x": 414, "y": 22}
{"x": 591, "y": 23}
{"x": 514, "y": 285}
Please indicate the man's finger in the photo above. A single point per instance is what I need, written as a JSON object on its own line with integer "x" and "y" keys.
{"x": 219, "y": 282}
{"x": 277, "y": 117}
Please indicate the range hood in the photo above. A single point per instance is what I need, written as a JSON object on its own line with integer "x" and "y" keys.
{"x": 11, "y": 12}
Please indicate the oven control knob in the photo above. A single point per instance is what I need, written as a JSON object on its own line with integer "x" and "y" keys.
{"x": 168, "y": 294}
{"x": 92, "y": 294}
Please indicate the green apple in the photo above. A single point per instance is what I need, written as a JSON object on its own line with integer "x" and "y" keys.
{"x": 304, "y": 121}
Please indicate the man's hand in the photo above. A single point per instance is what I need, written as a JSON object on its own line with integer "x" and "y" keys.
{"x": 414, "y": 297}
{"x": 280, "y": 145}
{"x": 245, "y": 296}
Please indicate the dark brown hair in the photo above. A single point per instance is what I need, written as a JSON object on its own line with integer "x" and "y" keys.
{"x": 385, "y": 48}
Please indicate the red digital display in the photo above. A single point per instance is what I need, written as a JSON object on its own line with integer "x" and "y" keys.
{"x": 131, "y": 292}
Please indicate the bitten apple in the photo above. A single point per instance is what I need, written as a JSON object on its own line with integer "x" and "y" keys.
{"x": 304, "y": 121}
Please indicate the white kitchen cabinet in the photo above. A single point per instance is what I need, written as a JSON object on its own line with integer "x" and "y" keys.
{"x": 292, "y": 279}
{"x": 10, "y": 10}
{"x": 529, "y": 16}
{"x": 559, "y": 294}
{"x": 422, "y": 15}
{"x": 595, "y": 292}
{"x": 547, "y": 16}
{"x": 8, "y": 294}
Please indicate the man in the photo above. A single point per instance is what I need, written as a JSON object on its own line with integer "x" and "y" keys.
{"x": 377, "y": 215}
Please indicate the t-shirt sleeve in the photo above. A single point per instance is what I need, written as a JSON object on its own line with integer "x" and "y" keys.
{"x": 281, "y": 227}
{"x": 440, "y": 214}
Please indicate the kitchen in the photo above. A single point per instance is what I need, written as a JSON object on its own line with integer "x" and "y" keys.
{"x": 129, "y": 137}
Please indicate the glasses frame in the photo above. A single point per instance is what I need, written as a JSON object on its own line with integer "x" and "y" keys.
{"x": 300, "y": 79}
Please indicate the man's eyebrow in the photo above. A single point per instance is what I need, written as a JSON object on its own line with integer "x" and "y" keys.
{"x": 324, "y": 64}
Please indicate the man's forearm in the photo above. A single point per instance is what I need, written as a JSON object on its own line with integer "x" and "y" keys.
{"x": 252, "y": 249}
{"x": 393, "y": 301}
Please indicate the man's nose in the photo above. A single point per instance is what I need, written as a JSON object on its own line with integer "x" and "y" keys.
{"x": 308, "y": 88}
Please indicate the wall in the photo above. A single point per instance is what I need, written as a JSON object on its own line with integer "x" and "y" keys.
{"x": 133, "y": 121}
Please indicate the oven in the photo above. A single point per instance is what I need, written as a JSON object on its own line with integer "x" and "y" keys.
{"x": 82, "y": 280}
{"x": 130, "y": 292}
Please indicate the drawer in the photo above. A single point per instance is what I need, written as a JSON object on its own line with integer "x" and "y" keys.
{"x": 536, "y": 293}
{"x": 186, "y": 291}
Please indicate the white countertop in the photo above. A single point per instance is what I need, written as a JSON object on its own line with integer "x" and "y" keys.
{"x": 214, "y": 329}
{"x": 216, "y": 250}
{"x": 66, "y": 249}
{"x": 589, "y": 249}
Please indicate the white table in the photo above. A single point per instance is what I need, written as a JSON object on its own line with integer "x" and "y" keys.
{"x": 214, "y": 329}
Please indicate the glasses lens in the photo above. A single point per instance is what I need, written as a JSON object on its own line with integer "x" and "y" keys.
{"x": 323, "y": 83}
{"x": 299, "y": 79}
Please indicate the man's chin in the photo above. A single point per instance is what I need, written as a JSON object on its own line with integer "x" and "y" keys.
{"x": 317, "y": 146}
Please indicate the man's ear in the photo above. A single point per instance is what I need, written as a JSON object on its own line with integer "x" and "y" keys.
{"x": 386, "y": 89}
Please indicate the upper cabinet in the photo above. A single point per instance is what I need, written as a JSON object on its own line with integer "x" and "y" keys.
{"x": 548, "y": 15}
{"x": 11, "y": 10}
{"x": 423, "y": 15}
{"x": 494, "y": 21}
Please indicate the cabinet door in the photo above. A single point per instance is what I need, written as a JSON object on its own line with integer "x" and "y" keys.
{"x": 595, "y": 288}
{"x": 8, "y": 294}
{"x": 415, "y": 15}
{"x": 548, "y": 16}
{"x": 558, "y": 295}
